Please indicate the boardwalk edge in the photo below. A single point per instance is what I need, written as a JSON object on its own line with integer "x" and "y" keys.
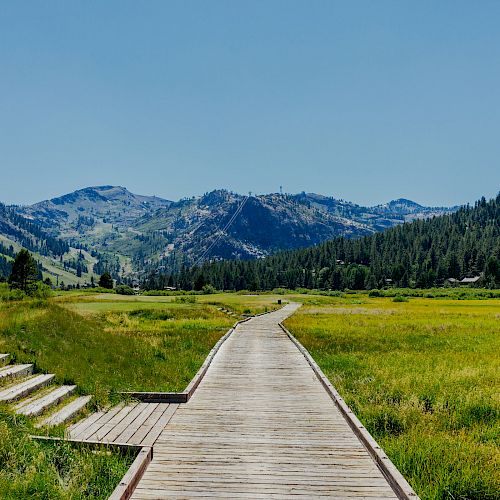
{"x": 132, "y": 477}
{"x": 398, "y": 483}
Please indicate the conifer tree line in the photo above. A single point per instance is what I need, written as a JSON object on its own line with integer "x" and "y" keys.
{"x": 420, "y": 254}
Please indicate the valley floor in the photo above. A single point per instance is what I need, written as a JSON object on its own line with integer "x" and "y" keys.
{"x": 421, "y": 374}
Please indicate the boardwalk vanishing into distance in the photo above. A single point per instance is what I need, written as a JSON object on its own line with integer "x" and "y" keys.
{"x": 261, "y": 425}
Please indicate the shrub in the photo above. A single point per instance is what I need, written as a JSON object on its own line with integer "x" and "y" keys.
{"x": 37, "y": 290}
{"x": 41, "y": 291}
{"x": 399, "y": 298}
{"x": 124, "y": 290}
{"x": 208, "y": 290}
{"x": 7, "y": 295}
{"x": 185, "y": 299}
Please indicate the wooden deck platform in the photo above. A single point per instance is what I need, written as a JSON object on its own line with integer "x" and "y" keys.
{"x": 260, "y": 425}
{"x": 136, "y": 424}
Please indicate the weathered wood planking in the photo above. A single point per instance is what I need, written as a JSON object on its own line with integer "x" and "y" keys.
{"x": 37, "y": 405}
{"x": 261, "y": 425}
{"x": 66, "y": 413}
{"x": 26, "y": 387}
{"x": 135, "y": 424}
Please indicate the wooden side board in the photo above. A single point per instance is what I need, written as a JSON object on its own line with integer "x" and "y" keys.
{"x": 398, "y": 483}
{"x": 129, "y": 481}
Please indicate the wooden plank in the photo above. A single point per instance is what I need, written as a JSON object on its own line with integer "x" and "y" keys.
{"x": 159, "y": 426}
{"x": 14, "y": 371}
{"x": 37, "y": 406}
{"x": 113, "y": 434}
{"x": 108, "y": 421}
{"x": 22, "y": 389}
{"x": 66, "y": 413}
{"x": 74, "y": 431}
{"x": 129, "y": 481}
{"x": 125, "y": 447}
{"x": 129, "y": 431}
{"x": 148, "y": 424}
{"x": 158, "y": 397}
{"x": 260, "y": 425}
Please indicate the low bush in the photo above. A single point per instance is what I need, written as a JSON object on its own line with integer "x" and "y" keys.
{"x": 124, "y": 290}
{"x": 208, "y": 290}
{"x": 185, "y": 299}
{"x": 400, "y": 298}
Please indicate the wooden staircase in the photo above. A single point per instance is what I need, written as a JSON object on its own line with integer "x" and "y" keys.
{"x": 35, "y": 396}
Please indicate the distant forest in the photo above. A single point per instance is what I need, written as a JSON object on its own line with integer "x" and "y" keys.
{"x": 29, "y": 233}
{"x": 420, "y": 254}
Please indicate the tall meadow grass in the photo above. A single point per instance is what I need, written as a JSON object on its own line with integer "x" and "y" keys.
{"x": 423, "y": 377}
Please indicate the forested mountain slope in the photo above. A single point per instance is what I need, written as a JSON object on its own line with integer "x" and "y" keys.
{"x": 422, "y": 253}
{"x": 57, "y": 258}
{"x": 17, "y": 231}
{"x": 136, "y": 234}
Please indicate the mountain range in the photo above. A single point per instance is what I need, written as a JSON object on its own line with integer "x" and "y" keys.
{"x": 108, "y": 227}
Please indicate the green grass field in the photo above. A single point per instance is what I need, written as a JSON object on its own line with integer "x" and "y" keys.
{"x": 423, "y": 377}
{"x": 55, "y": 471}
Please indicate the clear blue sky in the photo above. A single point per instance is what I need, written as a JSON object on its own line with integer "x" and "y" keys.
{"x": 361, "y": 100}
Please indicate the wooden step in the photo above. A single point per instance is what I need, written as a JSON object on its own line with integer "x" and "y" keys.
{"x": 35, "y": 407}
{"x": 14, "y": 371}
{"x": 4, "y": 359}
{"x": 66, "y": 413}
{"x": 26, "y": 387}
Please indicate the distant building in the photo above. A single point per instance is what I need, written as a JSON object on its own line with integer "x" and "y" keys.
{"x": 471, "y": 281}
{"x": 453, "y": 281}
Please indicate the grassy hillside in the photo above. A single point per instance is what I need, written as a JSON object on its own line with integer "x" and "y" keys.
{"x": 422, "y": 376}
{"x": 53, "y": 267}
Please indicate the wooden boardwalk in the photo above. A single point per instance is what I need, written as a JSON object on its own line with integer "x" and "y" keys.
{"x": 260, "y": 425}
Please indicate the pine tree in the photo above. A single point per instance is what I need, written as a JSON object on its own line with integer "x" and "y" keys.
{"x": 106, "y": 281}
{"x": 24, "y": 272}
